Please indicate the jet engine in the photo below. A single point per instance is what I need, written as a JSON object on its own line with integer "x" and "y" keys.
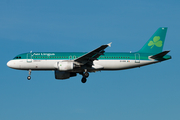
{"x": 63, "y": 75}
{"x": 65, "y": 66}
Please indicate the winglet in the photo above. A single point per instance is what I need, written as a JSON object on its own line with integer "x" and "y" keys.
{"x": 109, "y": 44}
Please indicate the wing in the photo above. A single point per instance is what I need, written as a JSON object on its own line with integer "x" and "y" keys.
{"x": 93, "y": 55}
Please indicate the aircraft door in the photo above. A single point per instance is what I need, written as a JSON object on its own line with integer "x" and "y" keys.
{"x": 137, "y": 58}
{"x": 29, "y": 57}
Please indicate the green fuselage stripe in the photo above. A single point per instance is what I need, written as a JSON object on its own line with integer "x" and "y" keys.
{"x": 75, "y": 55}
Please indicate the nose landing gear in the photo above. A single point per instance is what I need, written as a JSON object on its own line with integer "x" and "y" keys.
{"x": 29, "y": 77}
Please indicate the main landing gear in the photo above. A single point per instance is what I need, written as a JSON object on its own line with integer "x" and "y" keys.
{"x": 29, "y": 77}
{"x": 85, "y": 75}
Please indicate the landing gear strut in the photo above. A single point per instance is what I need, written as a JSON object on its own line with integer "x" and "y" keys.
{"x": 29, "y": 77}
{"x": 85, "y": 75}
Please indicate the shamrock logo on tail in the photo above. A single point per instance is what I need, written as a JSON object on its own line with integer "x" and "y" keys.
{"x": 156, "y": 41}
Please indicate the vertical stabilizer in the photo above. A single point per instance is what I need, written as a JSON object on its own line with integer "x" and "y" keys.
{"x": 156, "y": 42}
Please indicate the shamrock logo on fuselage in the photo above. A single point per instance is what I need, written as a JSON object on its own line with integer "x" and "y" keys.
{"x": 156, "y": 41}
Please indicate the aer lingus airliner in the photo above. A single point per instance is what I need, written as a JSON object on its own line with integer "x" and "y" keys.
{"x": 68, "y": 64}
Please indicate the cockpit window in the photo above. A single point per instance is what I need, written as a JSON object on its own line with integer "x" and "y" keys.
{"x": 18, "y": 57}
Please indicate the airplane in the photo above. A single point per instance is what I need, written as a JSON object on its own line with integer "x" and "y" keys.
{"x": 69, "y": 64}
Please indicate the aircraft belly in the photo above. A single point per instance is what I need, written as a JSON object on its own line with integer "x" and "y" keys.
{"x": 121, "y": 64}
{"x": 45, "y": 64}
{"x": 99, "y": 64}
{"x": 36, "y": 64}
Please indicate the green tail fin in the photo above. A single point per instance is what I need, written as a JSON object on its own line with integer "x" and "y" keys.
{"x": 156, "y": 42}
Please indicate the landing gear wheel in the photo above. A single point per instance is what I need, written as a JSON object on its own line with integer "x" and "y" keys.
{"x": 29, "y": 77}
{"x": 86, "y": 74}
{"x": 83, "y": 80}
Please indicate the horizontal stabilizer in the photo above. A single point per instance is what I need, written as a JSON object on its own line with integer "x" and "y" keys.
{"x": 160, "y": 55}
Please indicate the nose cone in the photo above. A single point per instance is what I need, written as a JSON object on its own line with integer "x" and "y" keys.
{"x": 10, "y": 64}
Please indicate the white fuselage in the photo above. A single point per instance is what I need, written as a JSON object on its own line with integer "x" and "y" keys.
{"x": 30, "y": 64}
